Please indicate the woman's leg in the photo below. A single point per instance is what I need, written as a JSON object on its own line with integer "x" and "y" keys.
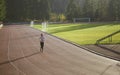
{"x": 42, "y": 45}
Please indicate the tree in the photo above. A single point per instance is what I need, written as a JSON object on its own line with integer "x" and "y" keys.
{"x": 38, "y": 9}
{"x": 28, "y": 10}
{"x": 102, "y": 10}
{"x": 88, "y": 9}
{"x": 58, "y": 6}
{"x": 114, "y": 10}
{"x": 15, "y": 10}
{"x": 2, "y": 10}
{"x": 72, "y": 11}
{"x": 44, "y": 10}
{"x": 32, "y": 9}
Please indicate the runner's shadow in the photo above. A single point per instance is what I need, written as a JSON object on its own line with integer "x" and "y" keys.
{"x": 13, "y": 60}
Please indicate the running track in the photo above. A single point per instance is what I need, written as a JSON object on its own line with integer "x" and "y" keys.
{"x": 19, "y": 55}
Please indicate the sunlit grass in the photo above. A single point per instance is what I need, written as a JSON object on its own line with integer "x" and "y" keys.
{"x": 81, "y": 33}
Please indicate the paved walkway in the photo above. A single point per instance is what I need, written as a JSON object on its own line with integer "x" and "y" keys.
{"x": 19, "y": 55}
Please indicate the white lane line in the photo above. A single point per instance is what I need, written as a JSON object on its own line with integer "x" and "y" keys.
{"x": 9, "y": 57}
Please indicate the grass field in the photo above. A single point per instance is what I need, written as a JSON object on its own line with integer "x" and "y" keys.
{"x": 81, "y": 33}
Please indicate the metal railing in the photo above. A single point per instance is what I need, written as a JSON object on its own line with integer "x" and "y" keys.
{"x": 113, "y": 38}
{"x": 110, "y": 42}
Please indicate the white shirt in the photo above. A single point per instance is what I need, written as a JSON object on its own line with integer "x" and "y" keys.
{"x": 42, "y": 39}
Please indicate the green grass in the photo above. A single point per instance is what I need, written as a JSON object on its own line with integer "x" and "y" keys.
{"x": 81, "y": 33}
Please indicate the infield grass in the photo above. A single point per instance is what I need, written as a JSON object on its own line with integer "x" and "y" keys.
{"x": 84, "y": 33}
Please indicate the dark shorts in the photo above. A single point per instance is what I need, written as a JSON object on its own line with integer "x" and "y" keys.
{"x": 42, "y": 44}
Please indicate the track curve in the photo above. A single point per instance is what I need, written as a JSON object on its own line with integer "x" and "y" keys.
{"x": 20, "y": 55}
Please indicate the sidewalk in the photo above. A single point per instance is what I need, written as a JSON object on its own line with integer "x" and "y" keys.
{"x": 20, "y": 55}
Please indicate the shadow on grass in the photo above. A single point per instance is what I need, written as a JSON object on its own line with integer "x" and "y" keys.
{"x": 77, "y": 27}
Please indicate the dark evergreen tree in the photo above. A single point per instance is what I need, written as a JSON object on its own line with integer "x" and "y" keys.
{"x": 114, "y": 10}
{"x": 58, "y": 6}
{"x": 72, "y": 11}
{"x": 31, "y": 9}
{"x": 15, "y": 10}
{"x": 38, "y": 10}
{"x": 28, "y": 10}
{"x": 2, "y": 10}
{"x": 44, "y": 10}
{"x": 88, "y": 9}
{"x": 102, "y": 10}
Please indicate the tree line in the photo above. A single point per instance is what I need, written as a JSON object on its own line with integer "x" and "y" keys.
{"x": 97, "y": 10}
{"x": 59, "y": 10}
{"x": 22, "y": 10}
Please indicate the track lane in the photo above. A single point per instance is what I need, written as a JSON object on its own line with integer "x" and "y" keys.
{"x": 59, "y": 57}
